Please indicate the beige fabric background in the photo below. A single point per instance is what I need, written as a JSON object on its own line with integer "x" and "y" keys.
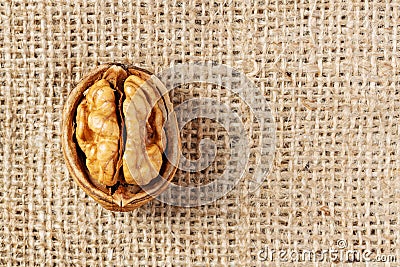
{"x": 330, "y": 70}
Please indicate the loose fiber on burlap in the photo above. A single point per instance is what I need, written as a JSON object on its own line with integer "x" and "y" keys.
{"x": 329, "y": 70}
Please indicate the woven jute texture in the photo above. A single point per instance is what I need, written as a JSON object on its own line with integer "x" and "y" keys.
{"x": 329, "y": 70}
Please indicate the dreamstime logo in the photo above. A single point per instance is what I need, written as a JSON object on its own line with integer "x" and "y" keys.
{"x": 232, "y": 121}
{"x": 339, "y": 253}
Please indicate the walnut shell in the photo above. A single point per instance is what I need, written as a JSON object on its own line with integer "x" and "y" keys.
{"x": 116, "y": 118}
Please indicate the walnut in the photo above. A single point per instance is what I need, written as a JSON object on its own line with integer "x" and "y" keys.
{"x": 115, "y": 135}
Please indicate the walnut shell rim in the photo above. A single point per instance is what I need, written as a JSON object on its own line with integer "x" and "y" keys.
{"x": 76, "y": 166}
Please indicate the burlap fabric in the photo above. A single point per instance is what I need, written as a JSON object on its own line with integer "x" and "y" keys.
{"x": 330, "y": 70}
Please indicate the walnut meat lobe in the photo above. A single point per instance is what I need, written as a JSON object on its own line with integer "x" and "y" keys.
{"x": 115, "y": 136}
{"x": 98, "y": 132}
{"x": 147, "y": 164}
